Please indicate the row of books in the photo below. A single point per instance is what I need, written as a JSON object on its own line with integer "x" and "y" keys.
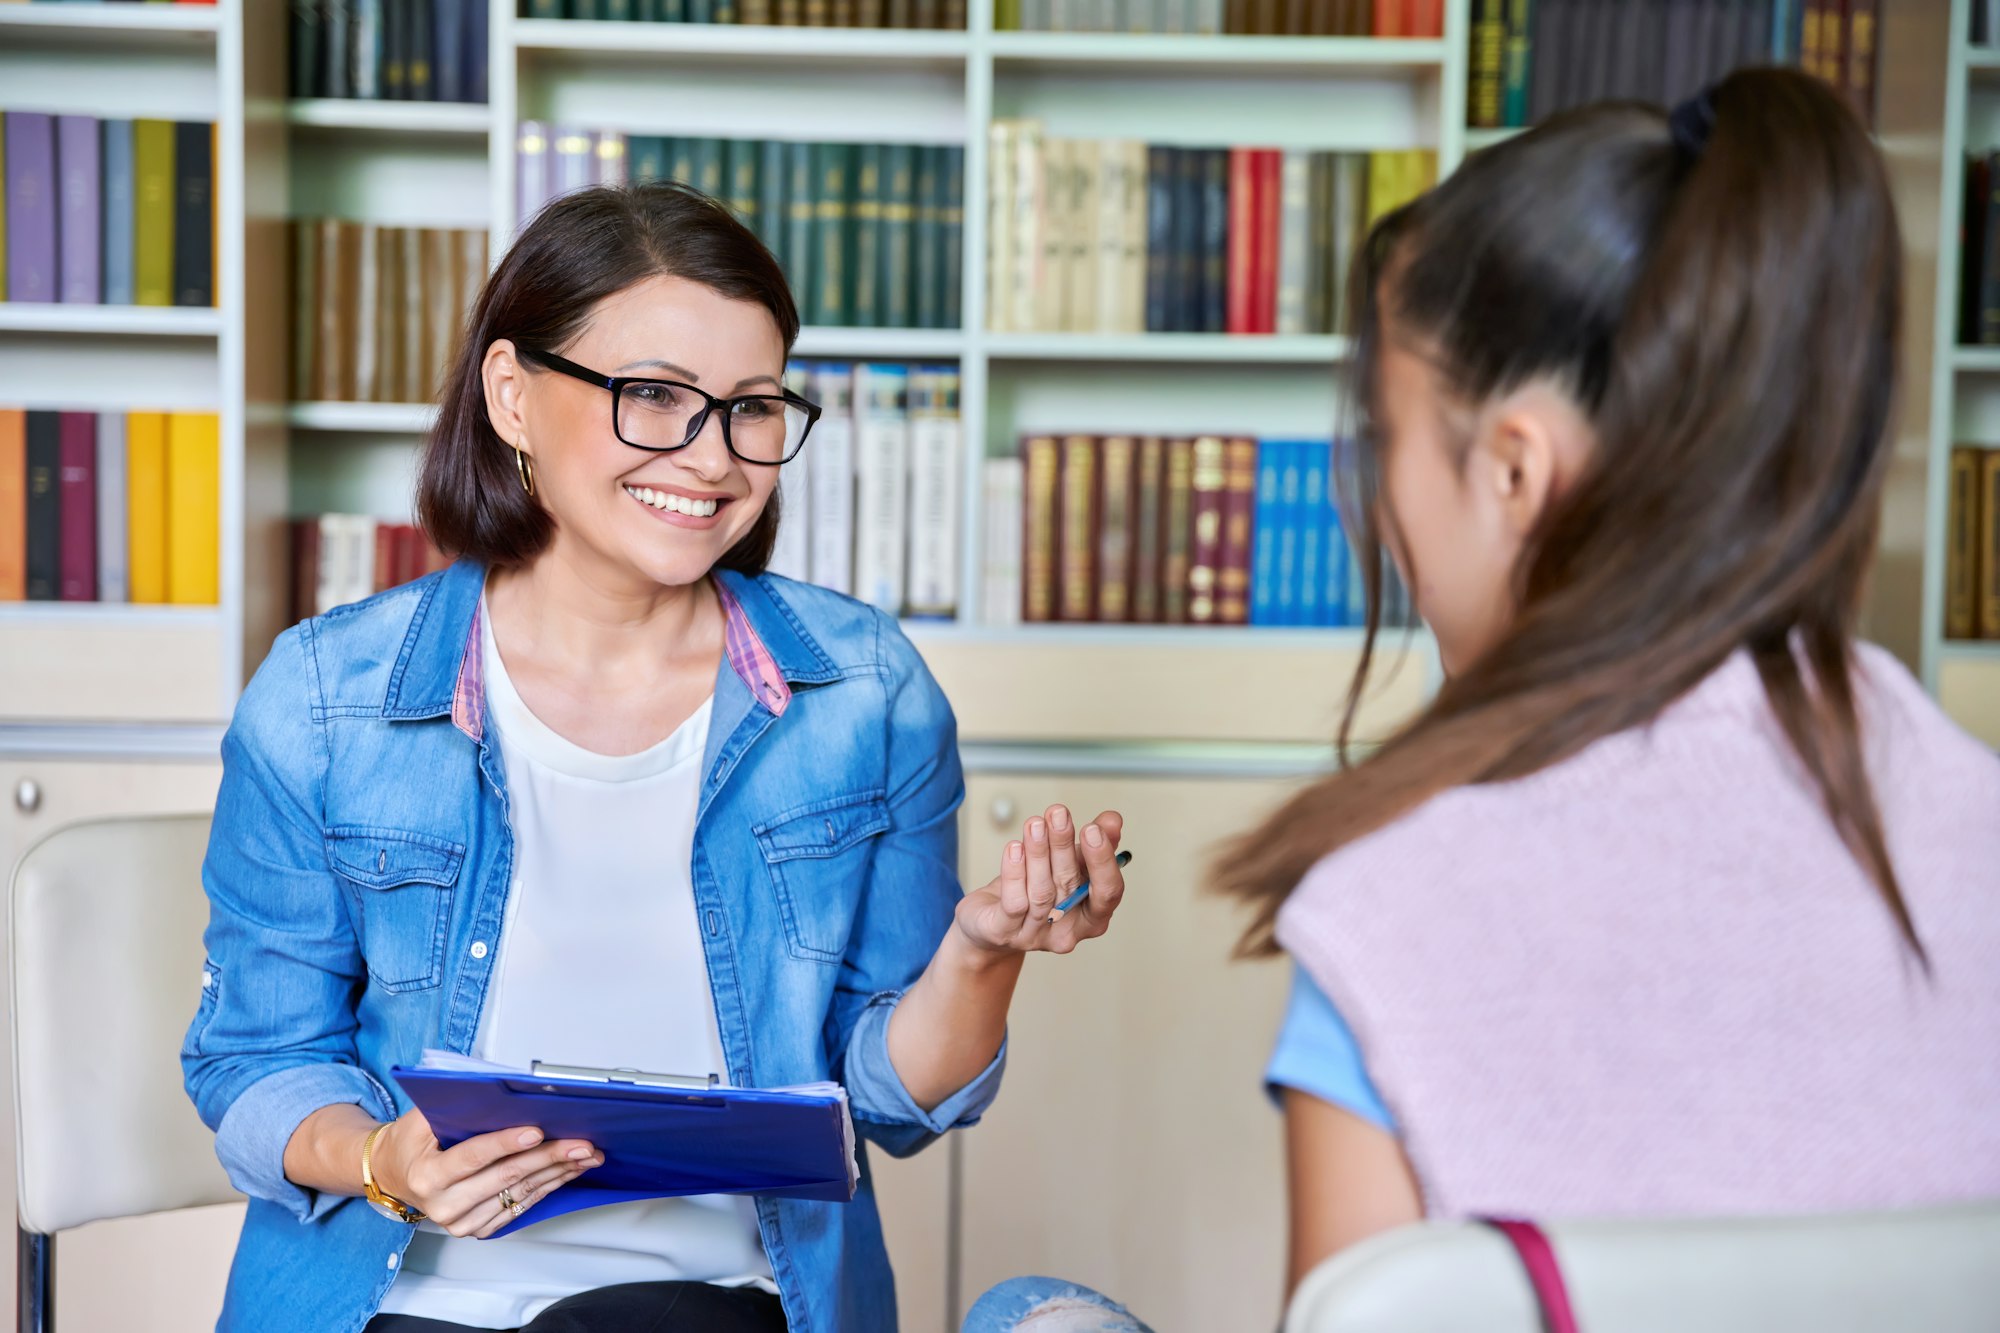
{"x": 377, "y": 311}
{"x": 396, "y": 50}
{"x": 945, "y": 14}
{"x": 1983, "y": 17}
{"x": 1124, "y": 237}
{"x": 1533, "y": 58}
{"x": 1972, "y": 546}
{"x": 343, "y": 558}
{"x": 108, "y": 212}
{"x": 110, "y": 506}
{"x": 1263, "y": 18}
{"x": 1221, "y": 530}
{"x": 1979, "y": 253}
{"x": 870, "y": 235}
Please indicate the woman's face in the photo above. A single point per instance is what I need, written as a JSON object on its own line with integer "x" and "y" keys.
{"x": 664, "y": 518}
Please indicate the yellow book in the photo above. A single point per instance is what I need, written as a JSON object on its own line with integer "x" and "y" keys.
{"x": 194, "y": 508}
{"x": 1961, "y": 552}
{"x": 146, "y": 504}
{"x": 153, "y": 211}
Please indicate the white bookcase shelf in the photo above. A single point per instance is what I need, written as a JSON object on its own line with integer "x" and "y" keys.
{"x": 362, "y": 418}
{"x": 810, "y": 45}
{"x": 109, "y": 25}
{"x": 1176, "y": 348}
{"x": 132, "y": 320}
{"x": 423, "y": 118}
{"x": 1206, "y": 55}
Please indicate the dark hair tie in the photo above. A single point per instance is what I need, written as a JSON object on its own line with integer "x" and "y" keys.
{"x": 1692, "y": 122}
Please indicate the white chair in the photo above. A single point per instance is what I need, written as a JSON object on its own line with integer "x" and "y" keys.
{"x": 106, "y": 920}
{"x": 1937, "y": 1271}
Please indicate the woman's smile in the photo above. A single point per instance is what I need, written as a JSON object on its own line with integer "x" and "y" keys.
{"x": 679, "y": 507}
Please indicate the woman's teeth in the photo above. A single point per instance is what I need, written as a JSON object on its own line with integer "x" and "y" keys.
{"x": 677, "y": 503}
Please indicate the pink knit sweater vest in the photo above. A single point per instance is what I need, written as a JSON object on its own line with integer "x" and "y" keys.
{"x": 1651, "y": 980}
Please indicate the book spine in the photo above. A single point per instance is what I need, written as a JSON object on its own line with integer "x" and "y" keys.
{"x": 194, "y": 480}
{"x": 1489, "y": 36}
{"x": 772, "y": 217}
{"x": 1424, "y": 19}
{"x": 894, "y": 269}
{"x": 739, "y": 168}
{"x": 936, "y": 498}
{"x": 194, "y": 205}
{"x": 418, "y": 369}
{"x": 32, "y": 272}
{"x": 801, "y": 229}
{"x": 1109, "y": 197}
{"x": 1962, "y": 572}
{"x": 44, "y": 505}
{"x": 1040, "y": 549}
{"x": 1003, "y": 481}
{"x": 80, "y": 170}
{"x": 1079, "y": 288}
{"x": 306, "y": 313}
{"x": 831, "y": 502}
{"x": 440, "y": 299}
{"x": 305, "y": 569}
{"x": 609, "y": 158}
{"x": 1294, "y": 241}
{"x": 1076, "y": 536}
{"x": 1187, "y": 296}
{"x": 13, "y": 504}
{"x": 1291, "y": 522}
{"x": 927, "y": 280}
{"x": 864, "y": 257}
{"x": 1148, "y": 498}
{"x": 1264, "y": 248}
{"x": 1160, "y": 178}
{"x": 953, "y": 242}
{"x": 307, "y": 26}
{"x": 1209, "y": 482}
{"x": 478, "y": 58}
{"x": 1350, "y": 209}
{"x": 572, "y": 163}
{"x": 1116, "y": 533}
{"x": 382, "y": 568}
{"x": 648, "y": 158}
{"x": 1241, "y": 311}
{"x": 1319, "y": 243}
{"x": 334, "y": 290}
{"x": 1025, "y": 227}
{"x": 419, "y": 55}
{"x": 367, "y": 327}
{"x": 146, "y": 505}
{"x": 882, "y": 496}
{"x": 1264, "y": 558}
{"x": 1516, "y": 67}
{"x": 448, "y": 48}
{"x": 1989, "y": 544}
{"x": 1863, "y": 55}
{"x": 378, "y": 50}
{"x": 830, "y": 216}
{"x": 1312, "y": 525}
{"x": 1052, "y": 231}
{"x": 113, "y": 575}
{"x": 1177, "y": 527}
{"x": 531, "y": 171}
{"x": 1000, "y": 145}
{"x": 1238, "y": 522}
{"x": 1989, "y": 250}
{"x": 76, "y": 486}
{"x": 116, "y": 225}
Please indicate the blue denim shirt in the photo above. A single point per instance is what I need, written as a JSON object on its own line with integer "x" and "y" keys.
{"x": 358, "y": 872}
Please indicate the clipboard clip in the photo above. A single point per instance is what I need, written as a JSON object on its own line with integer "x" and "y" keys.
{"x": 636, "y": 1078}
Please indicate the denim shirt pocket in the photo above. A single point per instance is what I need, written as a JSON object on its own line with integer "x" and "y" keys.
{"x": 818, "y": 857}
{"x": 403, "y": 883}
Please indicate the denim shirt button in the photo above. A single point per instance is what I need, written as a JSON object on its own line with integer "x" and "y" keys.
{"x": 395, "y": 1259}
{"x": 479, "y": 948}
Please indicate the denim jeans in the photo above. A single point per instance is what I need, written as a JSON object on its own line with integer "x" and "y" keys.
{"x": 1048, "y": 1305}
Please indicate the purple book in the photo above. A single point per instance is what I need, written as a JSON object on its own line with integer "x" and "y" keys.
{"x": 31, "y": 206}
{"x": 78, "y": 168}
{"x": 76, "y": 489}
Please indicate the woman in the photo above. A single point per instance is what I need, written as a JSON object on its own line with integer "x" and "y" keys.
{"x": 601, "y": 793}
{"x": 1677, "y": 899}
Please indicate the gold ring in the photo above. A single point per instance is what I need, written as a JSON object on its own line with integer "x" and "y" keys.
{"x": 507, "y": 1200}
{"x": 518, "y": 1207}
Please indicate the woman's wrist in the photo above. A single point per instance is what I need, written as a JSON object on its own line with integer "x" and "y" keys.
{"x": 963, "y": 953}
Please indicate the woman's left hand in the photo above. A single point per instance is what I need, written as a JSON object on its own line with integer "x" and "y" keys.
{"x": 1011, "y": 914}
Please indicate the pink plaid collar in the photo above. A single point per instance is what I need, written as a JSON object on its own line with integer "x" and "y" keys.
{"x": 748, "y": 658}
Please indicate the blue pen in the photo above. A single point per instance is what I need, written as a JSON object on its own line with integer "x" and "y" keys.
{"x": 1083, "y": 890}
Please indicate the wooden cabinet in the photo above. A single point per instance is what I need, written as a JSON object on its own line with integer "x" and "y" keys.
{"x": 1132, "y": 1148}
{"x": 163, "y": 1274}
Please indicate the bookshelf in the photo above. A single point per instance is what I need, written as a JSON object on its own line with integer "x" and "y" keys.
{"x": 1964, "y": 398}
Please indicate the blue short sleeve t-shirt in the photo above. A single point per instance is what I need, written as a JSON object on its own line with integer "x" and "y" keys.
{"x": 1317, "y": 1054}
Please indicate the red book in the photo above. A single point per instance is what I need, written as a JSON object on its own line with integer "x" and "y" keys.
{"x": 305, "y": 568}
{"x": 385, "y": 557}
{"x": 1270, "y": 166}
{"x": 1242, "y": 228}
{"x": 414, "y": 557}
{"x": 1423, "y": 18}
{"x": 1389, "y": 18}
{"x": 76, "y": 489}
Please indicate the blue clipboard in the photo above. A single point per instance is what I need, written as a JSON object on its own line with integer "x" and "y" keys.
{"x": 661, "y": 1137}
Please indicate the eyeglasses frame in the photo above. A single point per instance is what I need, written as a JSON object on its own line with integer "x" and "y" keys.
{"x": 615, "y": 385}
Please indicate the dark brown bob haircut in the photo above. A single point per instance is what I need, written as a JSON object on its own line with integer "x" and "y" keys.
{"x": 578, "y": 250}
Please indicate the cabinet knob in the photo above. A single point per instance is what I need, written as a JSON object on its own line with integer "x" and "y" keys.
{"x": 1003, "y": 812}
{"x": 28, "y": 796}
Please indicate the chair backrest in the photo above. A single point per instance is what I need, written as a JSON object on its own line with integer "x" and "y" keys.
{"x": 105, "y": 943}
{"x": 1936, "y": 1270}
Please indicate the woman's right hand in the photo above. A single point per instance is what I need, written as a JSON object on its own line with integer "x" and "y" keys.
{"x": 459, "y": 1187}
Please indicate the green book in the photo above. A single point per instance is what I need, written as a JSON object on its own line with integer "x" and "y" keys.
{"x": 740, "y": 177}
{"x": 927, "y": 277}
{"x": 951, "y": 209}
{"x": 725, "y": 11}
{"x": 649, "y": 158}
{"x": 899, "y": 225}
{"x": 707, "y": 174}
{"x": 1515, "y": 58}
{"x": 801, "y": 226}
{"x": 1006, "y": 15}
{"x": 700, "y": 11}
{"x": 153, "y": 212}
{"x": 870, "y": 195}
{"x": 830, "y": 225}
{"x": 680, "y": 160}
{"x": 586, "y": 9}
{"x": 545, "y": 9}
{"x": 771, "y": 195}
{"x": 618, "y": 11}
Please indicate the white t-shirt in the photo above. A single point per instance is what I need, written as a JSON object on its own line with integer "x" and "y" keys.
{"x": 600, "y": 963}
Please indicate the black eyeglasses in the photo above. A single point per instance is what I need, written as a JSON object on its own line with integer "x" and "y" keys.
{"x": 664, "y": 415}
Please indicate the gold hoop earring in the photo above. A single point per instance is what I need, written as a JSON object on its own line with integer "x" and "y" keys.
{"x": 526, "y": 470}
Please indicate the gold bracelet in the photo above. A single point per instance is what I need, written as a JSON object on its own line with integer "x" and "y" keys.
{"x": 384, "y": 1202}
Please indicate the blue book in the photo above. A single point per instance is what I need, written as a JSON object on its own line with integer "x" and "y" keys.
{"x": 448, "y": 50}
{"x": 1291, "y": 523}
{"x": 118, "y": 196}
{"x": 80, "y": 214}
{"x": 1264, "y": 556}
{"x": 663, "y": 1136}
{"x": 1312, "y": 536}
{"x": 476, "y": 40}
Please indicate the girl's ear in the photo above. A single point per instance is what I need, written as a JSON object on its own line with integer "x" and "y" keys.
{"x": 1530, "y": 446}
{"x": 506, "y": 383}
